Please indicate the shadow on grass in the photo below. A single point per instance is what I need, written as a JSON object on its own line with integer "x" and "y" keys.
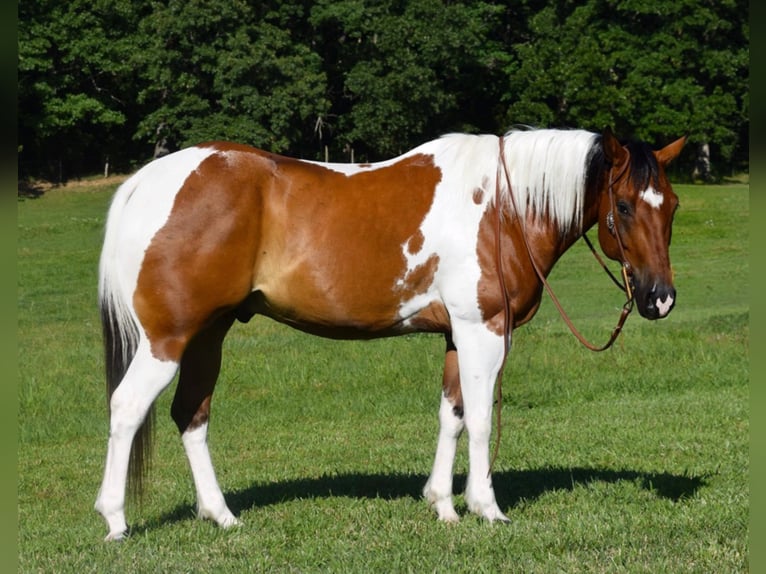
{"x": 511, "y": 487}
{"x": 30, "y": 190}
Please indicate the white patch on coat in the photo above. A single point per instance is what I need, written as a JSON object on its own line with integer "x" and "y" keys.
{"x": 450, "y": 229}
{"x": 663, "y": 306}
{"x": 140, "y": 208}
{"x": 349, "y": 169}
{"x": 652, "y": 197}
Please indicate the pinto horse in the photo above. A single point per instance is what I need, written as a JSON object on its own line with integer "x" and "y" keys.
{"x": 443, "y": 239}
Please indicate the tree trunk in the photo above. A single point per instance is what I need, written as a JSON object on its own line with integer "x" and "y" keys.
{"x": 702, "y": 164}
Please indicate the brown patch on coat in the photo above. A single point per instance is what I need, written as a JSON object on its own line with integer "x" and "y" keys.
{"x": 433, "y": 317}
{"x": 332, "y": 256}
{"x": 523, "y": 287}
{"x": 420, "y": 278}
{"x": 199, "y": 263}
{"x": 415, "y": 243}
{"x": 451, "y": 379}
{"x": 322, "y": 249}
{"x": 200, "y": 365}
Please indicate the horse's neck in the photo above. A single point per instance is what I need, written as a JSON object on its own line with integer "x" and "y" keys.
{"x": 590, "y": 211}
{"x": 551, "y": 253}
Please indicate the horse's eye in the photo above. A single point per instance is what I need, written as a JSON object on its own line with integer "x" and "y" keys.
{"x": 623, "y": 208}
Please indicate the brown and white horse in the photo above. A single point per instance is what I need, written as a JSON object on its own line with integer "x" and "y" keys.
{"x": 219, "y": 232}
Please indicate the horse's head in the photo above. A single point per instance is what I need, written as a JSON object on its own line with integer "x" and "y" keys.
{"x": 636, "y": 211}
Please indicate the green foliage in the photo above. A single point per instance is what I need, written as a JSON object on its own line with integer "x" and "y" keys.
{"x": 127, "y": 79}
{"x": 219, "y": 70}
{"x": 408, "y": 69}
{"x": 651, "y": 70}
{"x": 73, "y": 69}
{"x": 632, "y": 460}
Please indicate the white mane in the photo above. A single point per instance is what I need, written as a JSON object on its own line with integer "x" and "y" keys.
{"x": 548, "y": 170}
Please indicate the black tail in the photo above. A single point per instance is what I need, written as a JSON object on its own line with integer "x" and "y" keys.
{"x": 120, "y": 342}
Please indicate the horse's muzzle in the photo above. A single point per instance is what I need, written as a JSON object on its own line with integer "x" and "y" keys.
{"x": 655, "y": 302}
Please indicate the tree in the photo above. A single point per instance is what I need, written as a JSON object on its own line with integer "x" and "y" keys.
{"x": 652, "y": 70}
{"x": 74, "y": 88}
{"x": 220, "y": 69}
{"x": 128, "y": 79}
{"x": 404, "y": 72}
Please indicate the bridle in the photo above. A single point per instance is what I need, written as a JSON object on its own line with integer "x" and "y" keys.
{"x": 627, "y": 271}
{"x": 625, "y": 285}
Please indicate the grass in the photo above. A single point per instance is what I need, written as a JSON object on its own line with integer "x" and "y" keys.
{"x": 633, "y": 460}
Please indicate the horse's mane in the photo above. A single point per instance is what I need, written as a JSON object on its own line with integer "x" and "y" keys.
{"x": 643, "y": 165}
{"x": 550, "y": 171}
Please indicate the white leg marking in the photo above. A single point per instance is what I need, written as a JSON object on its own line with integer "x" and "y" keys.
{"x": 438, "y": 489}
{"x": 481, "y": 353}
{"x": 144, "y": 380}
{"x": 210, "y": 501}
{"x": 664, "y": 305}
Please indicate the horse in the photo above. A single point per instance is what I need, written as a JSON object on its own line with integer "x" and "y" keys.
{"x": 445, "y": 238}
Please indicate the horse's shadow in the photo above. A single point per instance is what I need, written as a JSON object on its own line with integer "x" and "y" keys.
{"x": 511, "y": 487}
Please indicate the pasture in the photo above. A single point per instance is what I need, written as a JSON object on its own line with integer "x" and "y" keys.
{"x": 632, "y": 460}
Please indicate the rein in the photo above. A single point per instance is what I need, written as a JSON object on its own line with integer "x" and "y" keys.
{"x": 507, "y": 322}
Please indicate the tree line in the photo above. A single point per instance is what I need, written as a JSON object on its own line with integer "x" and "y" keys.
{"x": 122, "y": 81}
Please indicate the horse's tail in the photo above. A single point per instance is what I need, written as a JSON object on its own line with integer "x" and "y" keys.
{"x": 121, "y": 335}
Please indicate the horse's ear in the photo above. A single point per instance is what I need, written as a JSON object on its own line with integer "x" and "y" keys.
{"x": 670, "y": 151}
{"x": 614, "y": 153}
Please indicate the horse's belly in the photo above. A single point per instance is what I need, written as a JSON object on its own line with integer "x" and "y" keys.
{"x": 347, "y": 304}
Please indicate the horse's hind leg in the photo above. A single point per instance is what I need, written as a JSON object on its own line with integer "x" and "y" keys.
{"x": 200, "y": 366}
{"x": 145, "y": 378}
{"x": 438, "y": 489}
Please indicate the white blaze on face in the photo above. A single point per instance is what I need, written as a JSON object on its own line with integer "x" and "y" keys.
{"x": 652, "y": 197}
{"x": 664, "y": 305}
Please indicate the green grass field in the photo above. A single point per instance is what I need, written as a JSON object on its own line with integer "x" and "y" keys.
{"x": 633, "y": 460}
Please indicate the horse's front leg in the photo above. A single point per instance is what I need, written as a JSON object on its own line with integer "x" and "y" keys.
{"x": 481, "y": 355}
{"x": 438, "y": 489}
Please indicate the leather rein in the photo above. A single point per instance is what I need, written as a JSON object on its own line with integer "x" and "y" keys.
{"x": 625, "y": 285}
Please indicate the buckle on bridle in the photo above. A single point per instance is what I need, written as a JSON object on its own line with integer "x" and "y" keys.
{"x": 627, "y": 279}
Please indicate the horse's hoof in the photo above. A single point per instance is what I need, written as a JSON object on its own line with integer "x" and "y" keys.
{"x": 117, "y": 536}
{"x": 496, "y": 515}
{"x": 230, "y": 522}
